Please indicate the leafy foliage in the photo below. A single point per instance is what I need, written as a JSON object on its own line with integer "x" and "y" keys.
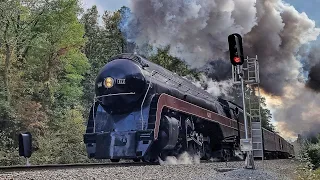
{"x": 172, "y": 63}
{"x": 103, "y": 42}
{"x": 264, "y": 112}
{"x": 251, "y": 95}
{"x": 43, "y": 68}
{"x": 314, "y": 154}
{"x": 310, "y": 161}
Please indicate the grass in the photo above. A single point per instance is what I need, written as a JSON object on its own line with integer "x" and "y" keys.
{"x": 317, "y": 173}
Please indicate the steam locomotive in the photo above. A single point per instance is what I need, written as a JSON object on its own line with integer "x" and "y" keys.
{"x": 144, "y": 112}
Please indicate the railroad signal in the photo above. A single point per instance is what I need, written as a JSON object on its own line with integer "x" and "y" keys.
{"x": 235, "y": 49}
{"x": 25, "y": 144}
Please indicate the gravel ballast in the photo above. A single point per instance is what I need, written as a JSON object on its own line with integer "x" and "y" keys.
{"x": 271, "y": 170}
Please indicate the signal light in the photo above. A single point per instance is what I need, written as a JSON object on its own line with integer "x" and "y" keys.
{"x": 237, "y": 59}
{"x": 235, "y": 49}
{"x": 25, "y": 144}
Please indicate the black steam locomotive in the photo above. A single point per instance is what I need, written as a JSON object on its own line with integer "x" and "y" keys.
{"x": 142, "y": 111}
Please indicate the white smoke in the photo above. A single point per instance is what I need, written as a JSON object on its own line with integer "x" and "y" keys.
{"x": 239, "y": 154}
{"x": 218, "y": 88}
{"x": 184, "y": 158}
{"x": 215, "y": 88}
{"x": 195, "y": 29}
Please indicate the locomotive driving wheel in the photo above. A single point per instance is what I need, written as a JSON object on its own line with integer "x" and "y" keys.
{"x": 193, "y": 148}
{"x": 206, "y": 152}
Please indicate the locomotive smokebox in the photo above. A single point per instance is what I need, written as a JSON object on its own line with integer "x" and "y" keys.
{"x": 120, "y": 86}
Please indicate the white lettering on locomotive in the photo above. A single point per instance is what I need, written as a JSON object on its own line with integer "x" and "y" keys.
{"x": 99, "y": 84}
{"x": 121, "y": 81}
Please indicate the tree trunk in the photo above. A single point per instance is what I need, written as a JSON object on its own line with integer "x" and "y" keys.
{"x": 6, "y": 71}
{"x": 7, "y": 63}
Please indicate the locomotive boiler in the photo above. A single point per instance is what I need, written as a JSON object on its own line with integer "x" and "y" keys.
{"x": 142, "y": 111}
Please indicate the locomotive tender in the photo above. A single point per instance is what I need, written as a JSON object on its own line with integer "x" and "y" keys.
{"x": 142, "y": 111}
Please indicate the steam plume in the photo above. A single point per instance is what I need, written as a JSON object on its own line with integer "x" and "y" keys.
{"x": 216, "y": 88}
{"x": 197, "y": 32}
{"x": 184, "y": 158}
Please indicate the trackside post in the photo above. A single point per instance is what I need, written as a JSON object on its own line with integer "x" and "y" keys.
{"x": 25, "y": 146}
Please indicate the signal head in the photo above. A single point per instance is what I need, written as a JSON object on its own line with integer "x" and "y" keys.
{"x": 235, "y": 49}
{"x": 25, "y": 144}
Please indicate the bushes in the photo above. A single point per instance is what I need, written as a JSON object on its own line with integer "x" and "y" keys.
{"x": 63, "y": 145}
{"x": 309, "y": 157}
{"x": 304, "y": 170}
{"x": 317, "y": 174}
{"x": 314, "y": 154}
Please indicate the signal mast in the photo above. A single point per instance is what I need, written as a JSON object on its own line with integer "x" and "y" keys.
{"x": 237, "y": 59}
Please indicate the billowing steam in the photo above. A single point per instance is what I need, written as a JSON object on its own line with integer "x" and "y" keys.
{"x": 197, "y": 32}
{"x": 184, "y": 158}
{"x": 195, "y": 29}
{"x": 300, "y": 110}
{"x": 216, "y": 88}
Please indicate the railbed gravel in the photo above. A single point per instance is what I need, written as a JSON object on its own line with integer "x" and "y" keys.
{"x": 271, "y": 170}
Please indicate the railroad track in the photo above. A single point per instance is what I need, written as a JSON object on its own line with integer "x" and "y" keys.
{"x": 65, "y": 166}
{"x": 268, "y": 169}
{"x": 84, "y": 165}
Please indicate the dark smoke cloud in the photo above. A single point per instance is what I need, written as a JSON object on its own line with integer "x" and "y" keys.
{"x": 276, "y": 39}
{"x": 197, "y": 32}
{"x": 313, "y": 132}
{"x": 310, "y": 58}
{"x": 314, "y": 78}
{"x": 218, "y": 70}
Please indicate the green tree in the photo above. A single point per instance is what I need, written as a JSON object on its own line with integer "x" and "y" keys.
{"x": 17, "y": 25}
{"x": 265, "y": 113}
{"x": 43, "y": 70}
{"x": 251, "y": 95}
{"x": 173, "y": 64}
{"x": 104, "y": 41}
{"x": 59, "y": 85}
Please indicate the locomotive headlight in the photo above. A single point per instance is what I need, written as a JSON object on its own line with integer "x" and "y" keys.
{"x": 108, "y": 82}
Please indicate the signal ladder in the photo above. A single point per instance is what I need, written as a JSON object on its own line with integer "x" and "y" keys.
{"x": 256, "y": 130}
{"x": 250, "y": 69}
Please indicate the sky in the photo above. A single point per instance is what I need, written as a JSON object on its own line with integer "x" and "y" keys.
{"x": 103, "y": 5}
{"x": 310, "y": 7}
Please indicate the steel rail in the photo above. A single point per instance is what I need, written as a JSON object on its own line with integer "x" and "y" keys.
{"x": 77, "y": 165}
{"x": 4, "y": 169}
